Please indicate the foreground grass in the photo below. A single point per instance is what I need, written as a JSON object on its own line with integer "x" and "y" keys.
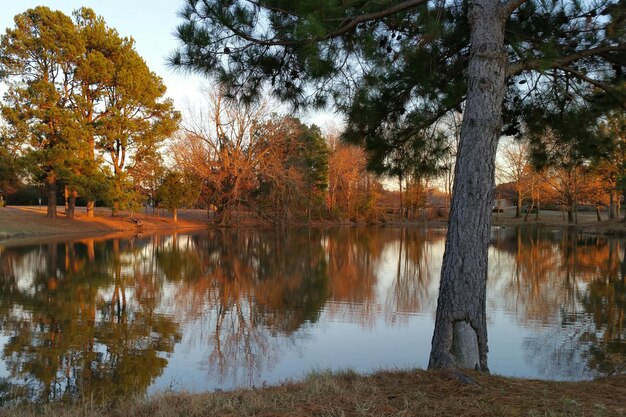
{"x": 403, "y": 393}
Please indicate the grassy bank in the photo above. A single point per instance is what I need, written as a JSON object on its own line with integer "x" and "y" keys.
{"x": 403, "y": 393}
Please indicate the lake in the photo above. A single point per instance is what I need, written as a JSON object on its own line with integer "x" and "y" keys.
{"x": 218, "y": 309}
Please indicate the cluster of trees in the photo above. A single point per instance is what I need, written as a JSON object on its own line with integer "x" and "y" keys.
{"x": 557, "y": 175}
{"x": 84, "y": 116}
{"x": 244, "y": 159}
{"x": 550, "y": 70}
{"x": 82, "y": 111}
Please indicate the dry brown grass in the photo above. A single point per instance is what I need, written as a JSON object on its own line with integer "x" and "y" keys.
{"x": 546, "y": 218}
{"x": 400, "y": 393}
{"x": 20, "y": 225}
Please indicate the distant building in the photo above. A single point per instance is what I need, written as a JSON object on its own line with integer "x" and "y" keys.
{"x": 505, "y": 196}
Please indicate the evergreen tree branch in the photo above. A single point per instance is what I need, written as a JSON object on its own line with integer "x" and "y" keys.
{"x": 346, "y": 24}
{"x": 272, "y": 8}
{"x": 606, "y": 87}
{"x": 518, "y": 67}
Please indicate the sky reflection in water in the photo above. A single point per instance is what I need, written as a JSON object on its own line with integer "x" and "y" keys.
{"x": 227, "y": 308}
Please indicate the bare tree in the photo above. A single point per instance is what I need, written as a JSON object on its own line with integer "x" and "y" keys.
{"x": 221, "y": 148}
{"x": 516, "y": 168}
{"x": 453, "y": 127}
{"x": 565, "y": 182}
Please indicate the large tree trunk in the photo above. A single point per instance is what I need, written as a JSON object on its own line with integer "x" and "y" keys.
{"x": 52, "y": 195}
{"x": 115, "y": 209}
{"x": 90, "y": 207}
{"x": 518, "y": 209}
{"x": 612, "y": 203}
{"x": 460, "y": 336}
{"x": 71, "y": 205}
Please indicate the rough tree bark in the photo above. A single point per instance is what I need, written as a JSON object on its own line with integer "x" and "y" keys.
{"x": 51, "y": 186}
{"x": 115, "y": 210}
{"x": 71, "y": 204}
{"x": 460, "y": 336}
{"x": 91, "y": 204}
{"x": 612, "y": 191}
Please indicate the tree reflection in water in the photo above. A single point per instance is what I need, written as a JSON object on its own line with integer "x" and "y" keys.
{"x": 75, "y": 329}
{"x": 248, "y": 288}
{"x": 102, "y": 318}
{"x": 573, "y": 290}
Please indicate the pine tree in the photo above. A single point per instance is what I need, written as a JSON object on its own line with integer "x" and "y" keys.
{"x": 94, "y": 70}
{"x": 176, "y": 191}
{"x": 136, "y": 118}
{"x": 36, "y": 59}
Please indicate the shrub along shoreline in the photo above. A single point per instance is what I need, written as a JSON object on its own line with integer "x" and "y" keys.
{"x": 384, "y": 393}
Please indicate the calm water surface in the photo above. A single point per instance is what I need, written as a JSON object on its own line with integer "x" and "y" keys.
{"x": 222, "y": 309}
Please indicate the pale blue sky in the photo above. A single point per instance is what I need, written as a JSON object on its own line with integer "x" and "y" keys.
{"x": 151, "y": 24}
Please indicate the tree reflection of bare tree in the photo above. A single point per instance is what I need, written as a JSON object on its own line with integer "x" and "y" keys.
{"x": 250, "y": 289}
{"x": 72, "y": 329}
{"x": 419, "y": 251}
{"x": 256, "y": 292}
{"x": 571, "y": 289}
{"x": 353, "y": 254}
{"x": 605, "y": 301}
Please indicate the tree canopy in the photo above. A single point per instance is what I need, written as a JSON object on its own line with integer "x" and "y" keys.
{"x": 79, "y": 93}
